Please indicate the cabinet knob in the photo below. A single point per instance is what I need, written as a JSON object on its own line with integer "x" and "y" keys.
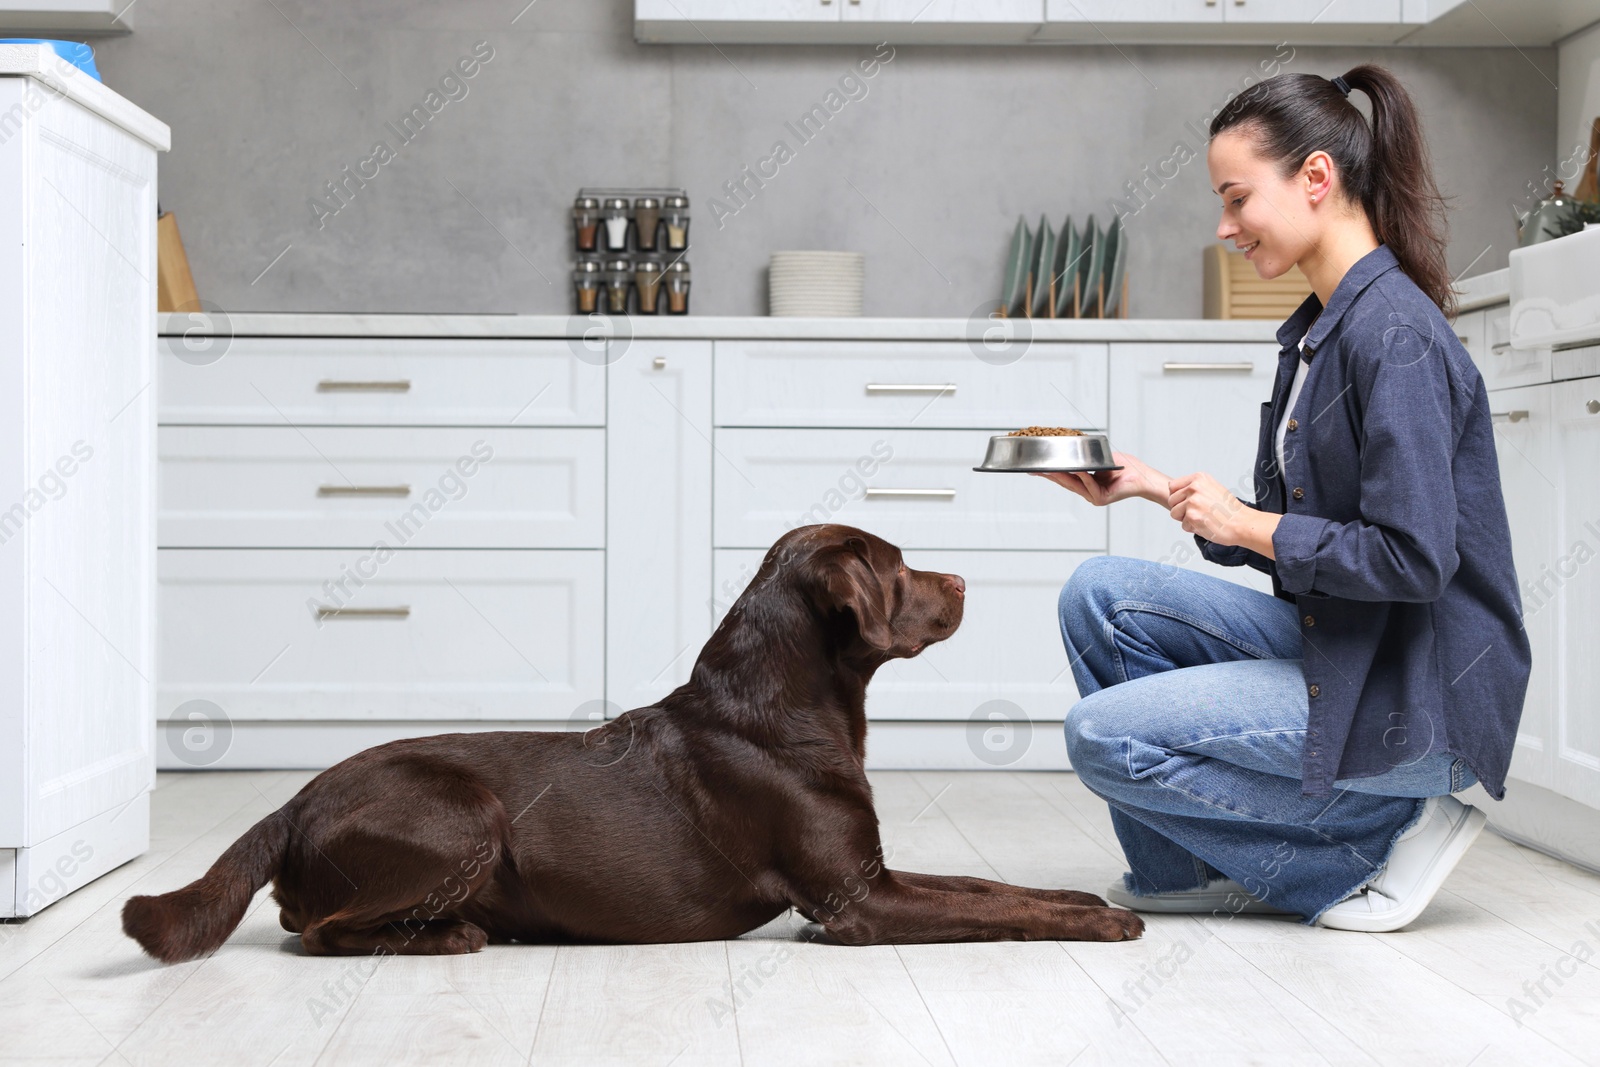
{"x": 1593, "y": 406}
{"x": 659, "y": 363}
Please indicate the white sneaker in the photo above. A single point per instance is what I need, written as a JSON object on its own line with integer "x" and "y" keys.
{"x": 1419, "y": 863}
{"x": 1223, "y": 894}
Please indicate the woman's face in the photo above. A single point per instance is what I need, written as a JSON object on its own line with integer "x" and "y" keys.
{"x": 1267, "y": 216}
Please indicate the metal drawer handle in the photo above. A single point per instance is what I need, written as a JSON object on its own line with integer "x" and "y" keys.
{"x": 402, "y": 385}
{"x": 1503, "y": 346}
{"x": 1168, "y": 368}
{"x": 1463, "y": 339}
{"x": 894, "y": 387}
{"x": 1509, "y": 416}
{"x": 364, "y": 490}
{"x": 947, "y": 494}
{"x": 364, "y": 613}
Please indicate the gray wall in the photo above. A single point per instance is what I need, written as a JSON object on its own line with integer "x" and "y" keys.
{"x": 926, "y": 173}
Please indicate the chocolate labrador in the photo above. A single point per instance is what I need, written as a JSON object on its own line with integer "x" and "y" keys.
{"x": 739, "y": 795}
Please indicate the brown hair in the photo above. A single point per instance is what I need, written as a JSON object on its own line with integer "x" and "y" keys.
{"x": 1384, "y": 165}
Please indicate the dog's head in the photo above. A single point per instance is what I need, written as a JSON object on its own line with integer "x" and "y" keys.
{"x": 861, "y": 583}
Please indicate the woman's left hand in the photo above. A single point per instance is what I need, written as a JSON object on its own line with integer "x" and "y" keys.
{"x": 1204, "y": 506}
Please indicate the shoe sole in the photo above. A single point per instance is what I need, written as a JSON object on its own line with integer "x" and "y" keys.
{"x": 1455, "y": 846}
{"x": 1190, "y": 903}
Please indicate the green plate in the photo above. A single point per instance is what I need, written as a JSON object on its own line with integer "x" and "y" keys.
{"x": 1117, "y": 268}
{"x": 1093, "y": 265}
{"x": 1017, "y": 268}
{"x": 1069, "y": 248}
{"x": 1044, "y": 260}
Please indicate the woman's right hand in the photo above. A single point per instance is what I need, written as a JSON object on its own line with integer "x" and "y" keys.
{"x": 1100, "y": 488}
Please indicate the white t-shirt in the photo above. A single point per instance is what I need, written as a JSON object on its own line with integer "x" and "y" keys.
{"x": 1301, "y": 366}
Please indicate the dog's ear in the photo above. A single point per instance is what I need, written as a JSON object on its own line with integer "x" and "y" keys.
{"x": 845, "y": 579}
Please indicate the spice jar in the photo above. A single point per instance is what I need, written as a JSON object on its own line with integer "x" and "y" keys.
{"x": 586, "y": 223}
{"x": 647, "y": 278}
{"x": 675, "y": 211}
{"x": 615, "y": 216}
{"x": 619, "y": 275}
{"x": 677, "y": 286}
{"x": 646, "y": 221}
{"x": 586, "y": 280}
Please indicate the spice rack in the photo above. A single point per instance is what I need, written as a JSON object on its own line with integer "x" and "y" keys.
{"x": 630, "y": 245}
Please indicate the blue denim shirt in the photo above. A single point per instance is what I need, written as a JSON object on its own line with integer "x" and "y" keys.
{"x": 1394, "y": 542}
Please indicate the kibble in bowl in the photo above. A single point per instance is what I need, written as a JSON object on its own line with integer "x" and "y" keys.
{"x": 1045, "y": 431}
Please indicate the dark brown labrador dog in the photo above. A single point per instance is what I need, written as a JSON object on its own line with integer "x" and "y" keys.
{"x": 741, "y": 794}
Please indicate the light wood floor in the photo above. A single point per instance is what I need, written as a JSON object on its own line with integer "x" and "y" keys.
{"x": 1192, "y": 991}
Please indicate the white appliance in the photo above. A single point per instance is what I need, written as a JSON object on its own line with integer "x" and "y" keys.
{"x": 77, "y": 477}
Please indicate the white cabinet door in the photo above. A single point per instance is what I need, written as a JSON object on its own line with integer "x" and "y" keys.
{"x": 738, "y": 10}
{"x": 933, "y": 12}
{"x": 1576, "y": 413}
{"x": 376, "y": 381}
{"x": 1529, "y": 476}
{"x": 658, "y": 526}
{"x": 1378, "y": 12}
{"x": 356, "y": 636}
{"x": 1005, "y": 663}
{"x": 915, "y": 488}
{"x": 349, "y": 487}
{"x": 1183, "y": 408}
{"x": 912, "y": 384}
{"x": 1133, "y": 10}
{"x": 1469, "y": 327}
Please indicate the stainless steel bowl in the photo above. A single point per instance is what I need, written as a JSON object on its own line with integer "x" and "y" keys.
{"x": 1080, "y": 452}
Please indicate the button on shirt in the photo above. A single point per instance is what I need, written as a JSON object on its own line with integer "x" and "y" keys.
{"x": 1394, "y": 543}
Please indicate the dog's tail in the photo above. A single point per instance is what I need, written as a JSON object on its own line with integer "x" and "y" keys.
{"x": 198, "y": 918}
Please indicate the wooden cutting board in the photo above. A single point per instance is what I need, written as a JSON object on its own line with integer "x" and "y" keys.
{"x": 1589, "y": 188}
{"x": 174, "y": 283}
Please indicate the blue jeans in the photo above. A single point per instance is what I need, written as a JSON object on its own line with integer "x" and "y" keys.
{"x": 1190, "y": 727}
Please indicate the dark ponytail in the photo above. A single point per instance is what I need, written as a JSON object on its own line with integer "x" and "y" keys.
{"x": 1383, "y": 165}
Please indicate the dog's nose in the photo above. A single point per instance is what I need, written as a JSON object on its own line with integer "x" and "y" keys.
{"x": 958, "y": 582}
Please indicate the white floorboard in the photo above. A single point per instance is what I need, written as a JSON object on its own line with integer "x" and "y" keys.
{"x": 1504, "y": 968}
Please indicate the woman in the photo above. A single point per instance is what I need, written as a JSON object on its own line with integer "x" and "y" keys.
{"x": 1297, "y": 752}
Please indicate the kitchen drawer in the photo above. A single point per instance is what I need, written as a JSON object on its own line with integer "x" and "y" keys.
{"x": 1578, "y": 361}
{"x": 927, "y": 385}
{"x": 915, "y": 488}
{"x": 1505, "y": 367}
{"x": 1008, "y": 647}
{"x": 351, "y": 487}
{"x": 447, "y": 635}
{"x": 272, "y": 381}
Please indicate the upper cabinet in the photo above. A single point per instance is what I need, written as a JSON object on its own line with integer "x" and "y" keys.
{"x": 837, "y": 21}
{"x": 72, "y": 17}
{"x": 1351, "y": 22}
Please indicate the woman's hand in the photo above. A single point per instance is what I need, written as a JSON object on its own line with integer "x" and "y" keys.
{"x": 1107, "y": 487}
{"x": 1204, "y": 506}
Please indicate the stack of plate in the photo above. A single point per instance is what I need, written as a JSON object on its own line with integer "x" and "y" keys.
{"x": 817, "y": 284}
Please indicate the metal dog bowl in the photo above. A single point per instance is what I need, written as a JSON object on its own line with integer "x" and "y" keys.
{"x": 1021, "y": 454}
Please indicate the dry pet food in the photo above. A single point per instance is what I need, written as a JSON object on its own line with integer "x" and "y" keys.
{"x": 1045, "y": 431}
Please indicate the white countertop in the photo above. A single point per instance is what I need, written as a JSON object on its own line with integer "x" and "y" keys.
{"x": 693, "y": 327}
{"x": 41, "y": 62}
{"x": 1484, "y": 290}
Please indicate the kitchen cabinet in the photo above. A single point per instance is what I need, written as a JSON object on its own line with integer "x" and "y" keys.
{"x": 317, "y": 636}
{"x": 71, "y": 17}
{"x": 1183, "y": 408}
{"x": 77, "y": 477}
{"x": 939, "y": 12}
{"x": 659, "y": 475}
{"x": 1575, "y": 419}
{"x": 1439, "y": 23}
{"x": 1530, "y": 477}
{"x": 640, "y": 485}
